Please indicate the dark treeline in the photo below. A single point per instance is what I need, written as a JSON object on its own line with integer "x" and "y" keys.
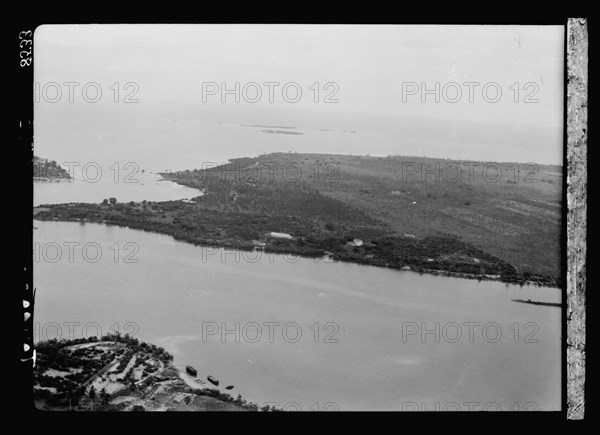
{"x": 202, "y": 224}
{"x": 84, "y": 364}
{"x": 44, "y": 168}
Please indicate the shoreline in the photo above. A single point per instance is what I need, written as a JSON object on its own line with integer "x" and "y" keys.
{"x": 52, "y": 179}
{"x": 121, "y": 373}
{"x": 318, "y": 220}
{"x": 550, "y": 283}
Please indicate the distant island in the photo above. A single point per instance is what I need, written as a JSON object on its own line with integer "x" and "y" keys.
{"x": 546, "y": 304}
{"x": 357, "y": 209}
{"x": 120, "y": 373}
{"x": 266, "y": 126}
{"x": 281, "y": 131}
{"x": 48, "y": 170}
{"x": 274, "y": 129}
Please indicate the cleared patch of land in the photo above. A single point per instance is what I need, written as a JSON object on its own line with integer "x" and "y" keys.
{"x": 120, "y": 373}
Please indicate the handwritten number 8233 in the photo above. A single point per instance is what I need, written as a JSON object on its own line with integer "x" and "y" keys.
{"x": 26, "y": 46}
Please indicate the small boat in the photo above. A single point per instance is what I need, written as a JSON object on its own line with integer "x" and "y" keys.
{"x": 191, "y": 370}
{"x": 229, "y": 387}
{"x": 213, "y": 380}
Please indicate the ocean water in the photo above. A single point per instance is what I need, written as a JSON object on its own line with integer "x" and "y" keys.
{"x": 302, "y": 333}
{"x": 370, "y": 338}
{"x": 187, "y": 136}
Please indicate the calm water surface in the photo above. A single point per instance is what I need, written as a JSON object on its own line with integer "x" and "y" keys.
{"x": 140, "y": 186}
{"x": 371, "y": 338}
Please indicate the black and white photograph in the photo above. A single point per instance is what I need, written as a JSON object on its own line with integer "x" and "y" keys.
{"x": 298, "y": 217}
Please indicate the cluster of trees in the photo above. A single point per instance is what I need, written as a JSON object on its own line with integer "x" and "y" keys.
{"x": 44, "y": 168}
{"x": 63, "y": 398}
{"x": 369, "y": 198}
{"x": 233, "y": 213}
{"x": 313, "y": 237}
{"x": 86, "y": 363}
{"x": 51, "y": 356}
{"x": 136, "y": 346}
{"x": 124, "y": 361}
{"x": 102, "y": 395}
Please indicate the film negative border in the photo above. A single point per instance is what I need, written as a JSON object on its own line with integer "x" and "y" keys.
{"x": 576, "y": 224}
{"x": 577, "y": 100}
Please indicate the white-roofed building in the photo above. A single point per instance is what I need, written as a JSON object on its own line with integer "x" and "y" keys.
{"x": 279, "y": 235}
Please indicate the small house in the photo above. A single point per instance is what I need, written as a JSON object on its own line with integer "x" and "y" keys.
{"x": 279, "y": 235}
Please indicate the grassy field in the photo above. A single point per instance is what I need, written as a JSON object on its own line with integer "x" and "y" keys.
{"x": 421, "y": 214}
{"x": 512, "y": 211}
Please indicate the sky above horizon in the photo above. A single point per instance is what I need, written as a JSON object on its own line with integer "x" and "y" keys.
{"x": 378, "y": 70}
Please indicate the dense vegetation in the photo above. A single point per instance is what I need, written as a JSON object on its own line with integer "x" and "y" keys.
{"x": 84, "y": 364}
{"x": 233, "y": 215}
{"x": 48, "y": 169}
{"x": 69, "y": 387}
{"x": 424, "y": 214}
{"x": 513, "y": 211}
